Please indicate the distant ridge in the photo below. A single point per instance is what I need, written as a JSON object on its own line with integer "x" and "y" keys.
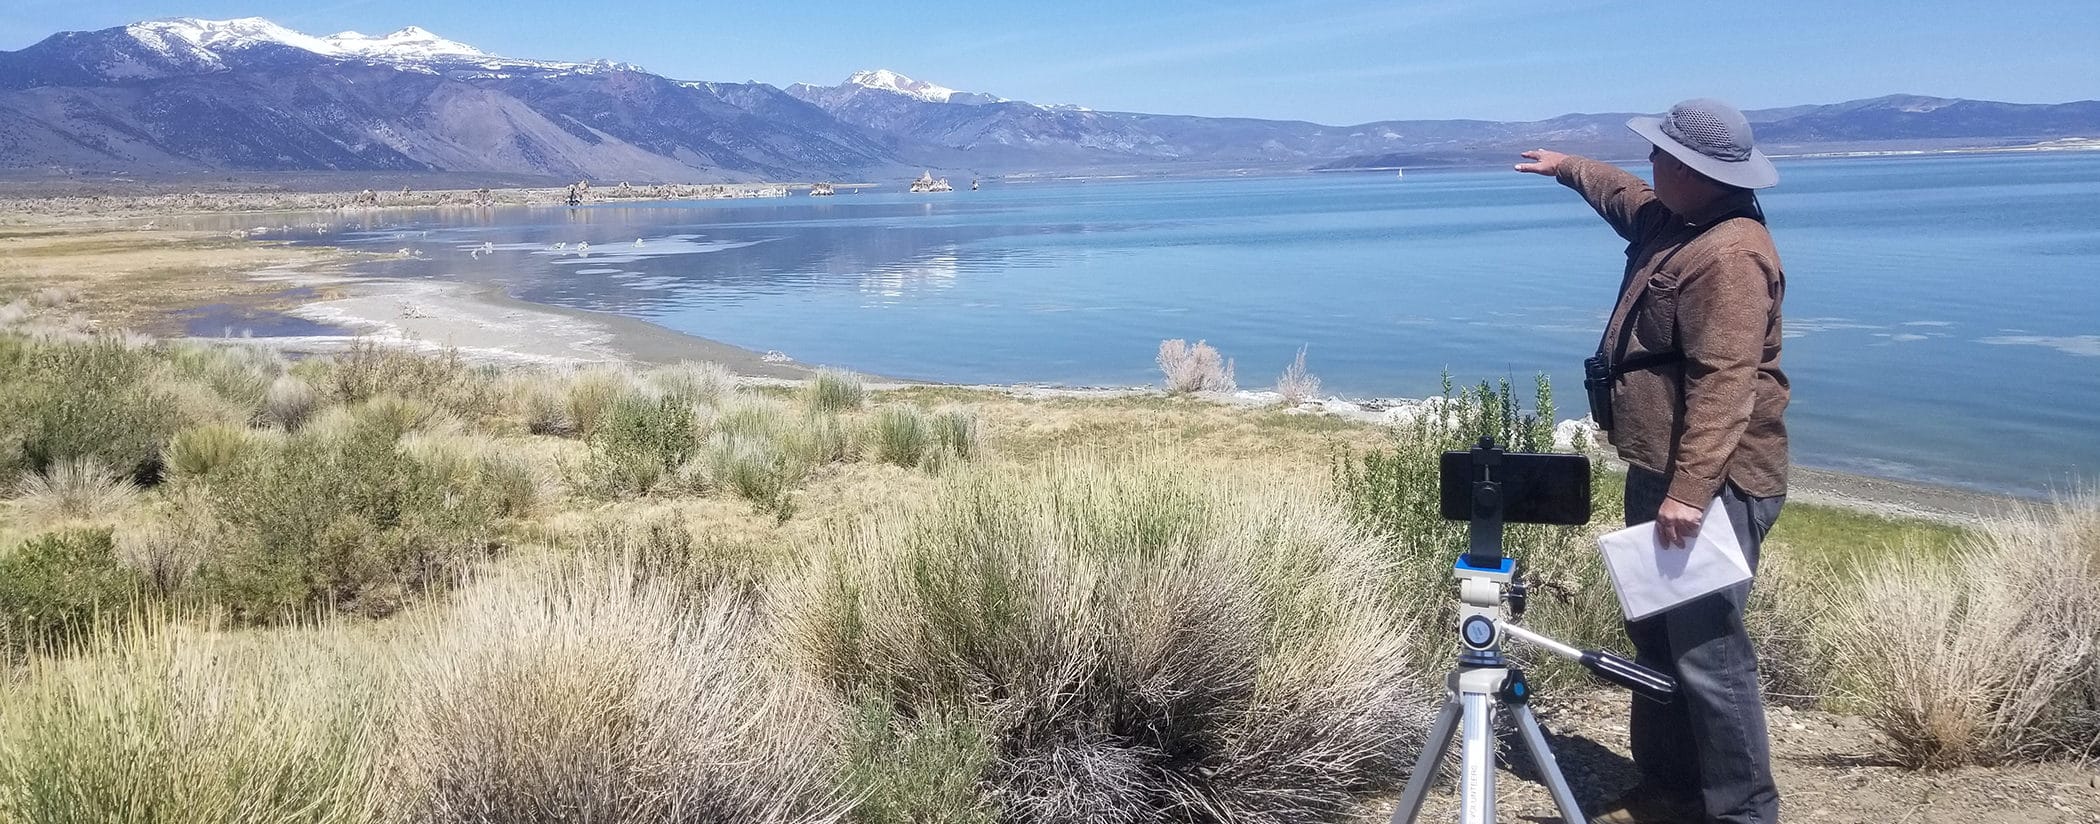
{"x": 189, "y": 96}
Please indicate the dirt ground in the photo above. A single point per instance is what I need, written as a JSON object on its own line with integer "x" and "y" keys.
{"x": 1824, "y": 764}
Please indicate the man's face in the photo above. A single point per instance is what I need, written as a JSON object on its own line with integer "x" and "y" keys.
{"x": 1670, "y": 180}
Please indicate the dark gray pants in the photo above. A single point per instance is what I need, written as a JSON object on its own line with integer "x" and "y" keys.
{"x": 1712, "y": 739}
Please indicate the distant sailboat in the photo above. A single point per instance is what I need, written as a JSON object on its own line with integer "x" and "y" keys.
{"x": 1399, "y": 173}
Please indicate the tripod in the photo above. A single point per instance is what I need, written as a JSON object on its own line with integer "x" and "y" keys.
{"x": 1484, "y": 686}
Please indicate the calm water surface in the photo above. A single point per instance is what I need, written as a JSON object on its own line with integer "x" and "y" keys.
{"x": 1943, "y": 314}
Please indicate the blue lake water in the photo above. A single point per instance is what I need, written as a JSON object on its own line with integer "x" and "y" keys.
{"x": 1943, "y": 314}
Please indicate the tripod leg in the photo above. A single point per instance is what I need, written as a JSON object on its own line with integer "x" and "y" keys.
{"x": 1433, "y": 751}
{"x": 1476, "y": 757}
{"x": 1549, "y": 769}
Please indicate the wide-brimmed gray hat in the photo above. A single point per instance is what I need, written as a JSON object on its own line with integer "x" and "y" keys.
{"x": 1714, "y": 139}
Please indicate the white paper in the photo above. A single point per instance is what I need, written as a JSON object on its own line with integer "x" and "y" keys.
{"x": 1650, "y": 578}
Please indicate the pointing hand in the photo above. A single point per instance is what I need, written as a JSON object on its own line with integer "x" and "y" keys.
{"x": 1546, "y": 162}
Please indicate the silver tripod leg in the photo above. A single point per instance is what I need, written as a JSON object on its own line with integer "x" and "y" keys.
{"x": 1433, "y": 751}
{"x": 1476, "y": 760}
{"x": 1549, "y": 769}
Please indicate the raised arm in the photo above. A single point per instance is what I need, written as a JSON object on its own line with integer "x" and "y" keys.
{"x": 1624, "y": 201}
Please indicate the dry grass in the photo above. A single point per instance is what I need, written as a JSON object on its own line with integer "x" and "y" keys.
{"x": 14, "y": 313}
{"x": 1297, "y": 385}
{"x": 289, "y": 402}
{"x": 1136, "y": 645}
{"x": 833, "y": 391}
{"x": 1197, "y": 368}
{"x": 166, "y": 551}
{"x": 197, "y": 453}
{"x": 592, "y": 392}
{"x": 1984, "y": 658}
{"x": 588, "y": 692}
{"x": 162, "y": 724}
{"x": 900, "y": 435}
{"x": 77, "y": 489}
{"x": 127, "y": 277}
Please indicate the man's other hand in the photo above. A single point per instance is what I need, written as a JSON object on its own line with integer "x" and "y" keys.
{"x": 1544, "y": 162}
{"x": 1677, "y": 524}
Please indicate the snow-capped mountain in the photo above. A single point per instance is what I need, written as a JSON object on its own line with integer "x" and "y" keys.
{"x": 889, "y": 81}
{"x": 193, "y": 95}
{"x": 157, "y": 48}
{"x": 207, "y": 40}
{"x": 190, "y": 95}
{"x": 408, "y": 44}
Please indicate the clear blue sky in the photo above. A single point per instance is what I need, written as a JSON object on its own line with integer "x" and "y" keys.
{"x": 1329, "y": 62}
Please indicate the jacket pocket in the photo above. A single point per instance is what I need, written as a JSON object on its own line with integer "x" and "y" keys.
{"x": 1656, "y": 327}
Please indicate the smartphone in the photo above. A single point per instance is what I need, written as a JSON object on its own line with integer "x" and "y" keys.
{"x": 1537, "y": 488}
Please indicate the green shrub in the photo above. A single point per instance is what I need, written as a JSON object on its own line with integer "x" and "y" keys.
{"x": 820, "y": 439}
{"x": 639, "y": 442}
{"x": 400, "y": 416}
{"x": 160, "y": 724}
{"x": 68, "y": 400}
{"x": 592, "y": 393}
{"x": 240, "y": 375}
{"x": 691, "y": 383}
{"x": 191, "y": 403}
{"x": 55, "y": 587}
{"x": 443, "y": 380}
{"x": 542, "y": 400}
{"x": 506, "y": 481}
{"x": 925, "y": 770}
{"x": 955, "y": 432}
{"x": 901, "y": 435}
{"x": 834, "y": 390}
{"x": 755, "y": 468}
{"x": 198, "y": 452}
{"x": 346, "y": 519}
{"x": 755, "y": 416}
{"x": 368, "y": 369}
{"x": 1131, "y": 640}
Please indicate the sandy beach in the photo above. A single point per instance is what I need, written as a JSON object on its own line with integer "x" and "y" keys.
{"x": 485, "y": 325}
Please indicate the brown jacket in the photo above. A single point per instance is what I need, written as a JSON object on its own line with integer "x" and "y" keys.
{"x": 1714, "y": 287}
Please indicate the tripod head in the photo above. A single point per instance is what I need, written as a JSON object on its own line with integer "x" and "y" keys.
{"x": 1490, "y": 488}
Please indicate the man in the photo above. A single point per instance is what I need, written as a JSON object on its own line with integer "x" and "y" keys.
{"x": 1698, "y": 404}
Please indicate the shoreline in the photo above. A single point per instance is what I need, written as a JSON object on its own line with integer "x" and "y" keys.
{"x": 486, "y": 324}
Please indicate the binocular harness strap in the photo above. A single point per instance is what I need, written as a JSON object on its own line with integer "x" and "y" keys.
{"x": 1622, "y": 365}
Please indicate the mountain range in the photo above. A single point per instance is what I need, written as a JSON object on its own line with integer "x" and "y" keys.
{"x": 188, "y": 96}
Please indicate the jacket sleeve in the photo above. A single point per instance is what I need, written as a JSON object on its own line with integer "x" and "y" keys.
{"x": 1724, "y": 311}
{"x": 1625, "y": 201}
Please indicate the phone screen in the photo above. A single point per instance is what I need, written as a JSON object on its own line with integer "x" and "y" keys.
{"x": 1537, "y": 488}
